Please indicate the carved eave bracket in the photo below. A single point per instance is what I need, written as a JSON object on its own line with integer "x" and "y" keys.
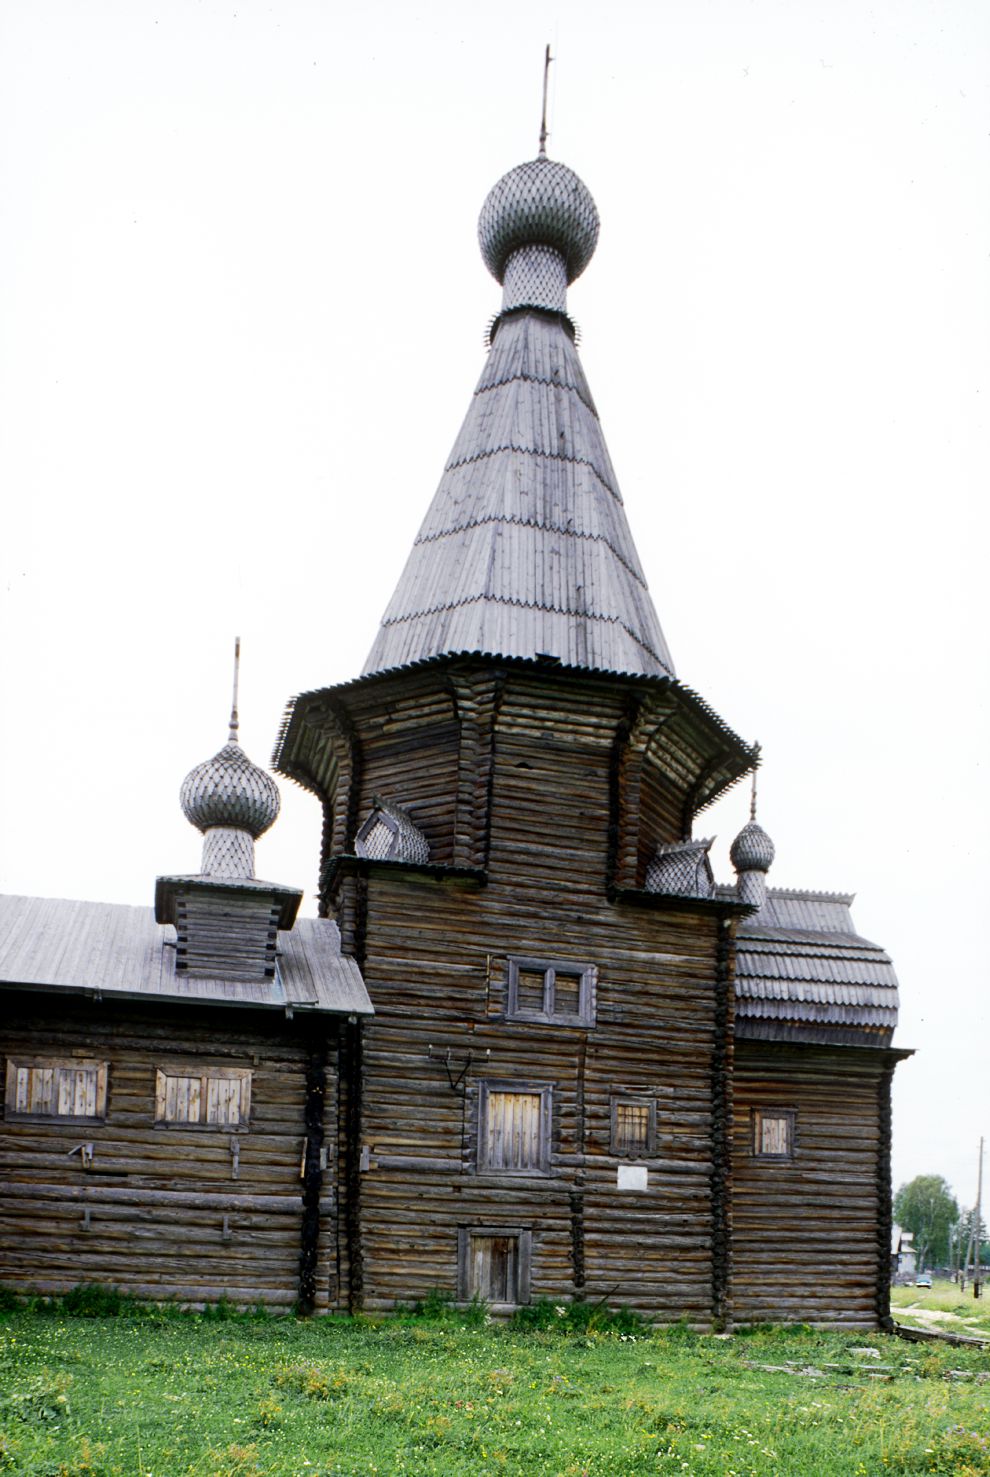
{"x": 644, "y": 718}
{"x": 477, "y": 699}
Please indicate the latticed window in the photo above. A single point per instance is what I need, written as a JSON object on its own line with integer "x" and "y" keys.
{"x": 514, "y": 1129}
{"x": 633, "y": 1125}
{"x": 773, "y": 1133}
{"x": 552, "y": 992}
{"x": 56, "y": 1088}
{"x": 216, "y": 1097}
{"x": 494, "y": 1264}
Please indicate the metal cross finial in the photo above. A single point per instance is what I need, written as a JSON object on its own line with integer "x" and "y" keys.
{"x": 543, "y": 124}
{"x": 232, "y": 737}
{"x": 752, "y": 798}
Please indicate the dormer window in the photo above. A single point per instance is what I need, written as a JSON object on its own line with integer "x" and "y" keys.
{"x": 388, "y": 835}
{"x": 682, "y": 869}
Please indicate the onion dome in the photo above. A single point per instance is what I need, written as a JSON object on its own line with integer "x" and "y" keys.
{"x": 752, "y": 850}
{"x": 231, "y": 801}
{"x": 229, "y": 791}
{"x": 539, "y": 203}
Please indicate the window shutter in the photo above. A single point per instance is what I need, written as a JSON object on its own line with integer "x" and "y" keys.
{"x": 56, "y": 1089}
{"x": 217, "y": 1097}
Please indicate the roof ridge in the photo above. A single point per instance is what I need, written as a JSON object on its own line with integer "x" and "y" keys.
{"x": 805, "y": 894}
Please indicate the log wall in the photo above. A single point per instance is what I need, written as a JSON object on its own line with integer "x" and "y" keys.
{"x": 184, "y": 1212}
{"x": 808, "y": 1230}
{"x": 434, "y": 952}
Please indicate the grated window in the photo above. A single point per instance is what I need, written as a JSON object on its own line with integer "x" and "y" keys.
{"x": 633, "y": 1125}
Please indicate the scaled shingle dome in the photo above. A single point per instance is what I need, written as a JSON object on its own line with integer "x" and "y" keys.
{"x": 539, "y": 203}
{"x": 752, "y": 850}
{"x": 228, "y": 790}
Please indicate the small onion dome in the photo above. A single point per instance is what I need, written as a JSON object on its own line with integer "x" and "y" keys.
{"x": 540, "y": 203}
{"x": 752, "y": 850}
{"x": 228, "y": 790}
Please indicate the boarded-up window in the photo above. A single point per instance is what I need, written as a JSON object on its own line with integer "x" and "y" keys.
{"x": 550, "y": 991}
{"x": 494, "y": 1264}
{"x": 633, "y": 1125}
{"x": 514, "y": 1128}
{"x": 773, "y": 1133}
{"x": 56, "y": 1088}
{"x": 216, "y": 1097}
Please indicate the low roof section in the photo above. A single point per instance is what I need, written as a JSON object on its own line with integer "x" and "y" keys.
{"x": 803, "y": 973}
{"x": 117, "y": 951}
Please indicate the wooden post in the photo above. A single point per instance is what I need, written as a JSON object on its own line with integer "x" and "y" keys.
{"x": 312, "y": 1176}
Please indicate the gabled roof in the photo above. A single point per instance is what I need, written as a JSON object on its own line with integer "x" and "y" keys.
{"x": 525, "y": 550}
{"x": 804, "y": 973}
{"x": 118, "y": 951}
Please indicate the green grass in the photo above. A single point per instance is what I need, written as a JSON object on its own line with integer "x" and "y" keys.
{"x": 146, "y": 1392}
{"x": 943, "y": 1307}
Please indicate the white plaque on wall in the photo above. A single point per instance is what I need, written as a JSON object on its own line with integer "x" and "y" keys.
{"x": 632, "y": 1177}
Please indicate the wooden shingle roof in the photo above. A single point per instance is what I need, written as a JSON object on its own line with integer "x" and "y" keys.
{"x": 804, "y": 973}
{"x": 525, "y": 550}
{"x": 118, "y": 951}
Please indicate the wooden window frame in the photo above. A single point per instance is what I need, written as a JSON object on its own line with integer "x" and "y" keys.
{"x": 524, "y": 1261}
{"x": 633, "y": 1100}
{"x": 530, "y": 1089}
{"x": 16, "y": 1064}
{"x": 585, "y": 974}
{"x": 196, "y": 1069}
{"x": 756, "y": 1126}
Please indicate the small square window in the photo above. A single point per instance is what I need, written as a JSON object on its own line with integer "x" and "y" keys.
{"x": 217, "y": 1097}
{"x": 773, "y": 1133}
{"x": 634, "y": 1122}
{"x": 514, "y": 1128}
{"x": 551, "y": 992}
{"x": 494, "y": 1264}
{"x": 56, "y": 1088}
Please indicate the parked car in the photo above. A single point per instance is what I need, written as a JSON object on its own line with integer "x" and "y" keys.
{"x": 923, "y": 1279}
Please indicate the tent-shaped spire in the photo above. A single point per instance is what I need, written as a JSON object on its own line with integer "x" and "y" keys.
{"x": 525, "y": 550}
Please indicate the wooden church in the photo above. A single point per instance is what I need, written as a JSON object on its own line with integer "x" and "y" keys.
{"x": 530, "y": 1049}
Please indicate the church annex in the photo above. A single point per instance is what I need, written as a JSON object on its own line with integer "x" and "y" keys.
{"x": 530, "y": 1049}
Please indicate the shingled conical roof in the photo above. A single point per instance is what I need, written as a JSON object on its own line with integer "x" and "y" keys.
{"x": 525, "y": 550}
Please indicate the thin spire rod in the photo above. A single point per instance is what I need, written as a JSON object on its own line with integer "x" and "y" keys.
{"x": 543, "y": 122}
{"x": 752, "y": 797}
{"x": 232, "y": 737}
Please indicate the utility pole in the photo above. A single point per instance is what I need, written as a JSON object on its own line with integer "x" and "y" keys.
{"x": 977, "y": 1278}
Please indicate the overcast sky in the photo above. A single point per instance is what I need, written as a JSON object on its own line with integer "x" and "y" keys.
{"x": 243, "y": 315}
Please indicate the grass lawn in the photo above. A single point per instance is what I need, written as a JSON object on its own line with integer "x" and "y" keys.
{"x": 156, "y": 1394}
{"x": 943, "y": 1307}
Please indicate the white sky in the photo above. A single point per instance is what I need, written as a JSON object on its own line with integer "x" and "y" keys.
{"x": 243, "y": 312}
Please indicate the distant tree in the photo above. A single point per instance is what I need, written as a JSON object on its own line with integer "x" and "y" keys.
{"x": 927, "y": 1208}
